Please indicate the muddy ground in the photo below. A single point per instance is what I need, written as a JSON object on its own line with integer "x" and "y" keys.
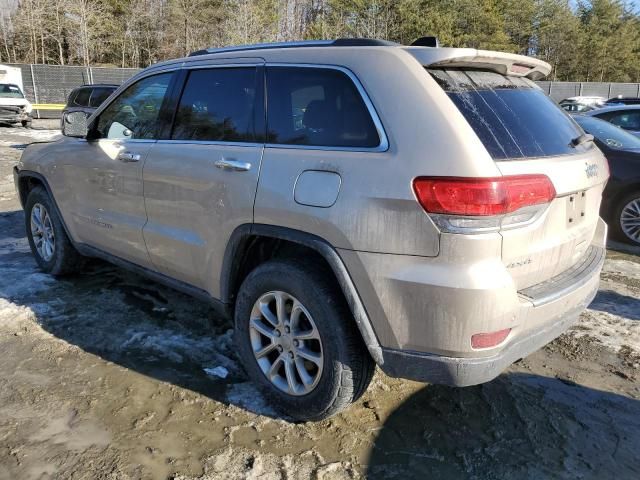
{"x": 102, "y": 376}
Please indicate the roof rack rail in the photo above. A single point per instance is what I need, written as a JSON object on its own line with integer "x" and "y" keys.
{"x": 340, "y": 42}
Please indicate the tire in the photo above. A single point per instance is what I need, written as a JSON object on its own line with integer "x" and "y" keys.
{"x": 26, "y": 123}
{"x": 629, "y": 206}
{"x": 63, "y": 258}
{"x": 345, "y": 369}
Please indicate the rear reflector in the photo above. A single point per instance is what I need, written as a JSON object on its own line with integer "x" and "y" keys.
{"x": 482, "y": 196}
{"x": 486, "y": 340}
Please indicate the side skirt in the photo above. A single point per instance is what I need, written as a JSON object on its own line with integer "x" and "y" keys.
{"x": 220, "y": 307}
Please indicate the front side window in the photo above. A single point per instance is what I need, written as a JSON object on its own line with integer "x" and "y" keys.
{"x": 218, "y": 104}
{"x": 99, "y": 95}
{"x": 134, "y": 114}
{"x": 317, "y": 106}
{"x": 82, "y": 97}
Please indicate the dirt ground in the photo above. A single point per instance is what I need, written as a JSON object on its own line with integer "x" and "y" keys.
{"x": 102, "y": 376}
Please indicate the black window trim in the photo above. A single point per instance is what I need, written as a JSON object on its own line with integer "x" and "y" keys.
{"x": 383, "y": 146}
{"x": 176, "y": 95}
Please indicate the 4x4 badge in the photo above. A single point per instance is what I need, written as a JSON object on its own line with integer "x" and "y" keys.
{"x": 591, "y": 170}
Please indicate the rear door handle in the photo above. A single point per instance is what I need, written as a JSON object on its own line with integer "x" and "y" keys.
{"x": 128, "y": 157}
{"x": 233, "y": 165}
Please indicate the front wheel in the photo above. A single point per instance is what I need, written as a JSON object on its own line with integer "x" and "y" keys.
{"x": 627, "y": 219}
{"x": 298, "y": 340}
{"x": 48, "y": 240}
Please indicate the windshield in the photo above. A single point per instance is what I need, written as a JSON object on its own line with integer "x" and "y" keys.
{"x": 608, "y": 133}
{"x": 512, "y": 117}
{"x": 8, "y": 90}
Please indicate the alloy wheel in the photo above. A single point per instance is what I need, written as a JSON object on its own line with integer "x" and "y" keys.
{"x": 286, "y": 343}
{"x": 42, "y": 232}
{"x": 630, "y": 220}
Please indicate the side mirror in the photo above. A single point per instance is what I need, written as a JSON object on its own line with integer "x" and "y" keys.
{"x": 74, "y": 124}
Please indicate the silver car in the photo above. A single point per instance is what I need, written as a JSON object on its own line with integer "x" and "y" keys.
{"x": 349, "y": 203}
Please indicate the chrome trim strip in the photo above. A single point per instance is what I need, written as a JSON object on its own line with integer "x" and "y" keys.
{"x": 384, "y": 141}
{"x": 382, "y": 135}
{"x": 210, "y": 142}
{"x": 568, "y": 281}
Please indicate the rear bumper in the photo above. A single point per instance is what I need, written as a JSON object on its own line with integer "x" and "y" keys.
{"x": 462, "y": 372}
{"x": 553, "y": 307}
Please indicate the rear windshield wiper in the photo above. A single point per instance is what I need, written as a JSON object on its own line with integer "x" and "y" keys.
{"x": 584, "y": 138}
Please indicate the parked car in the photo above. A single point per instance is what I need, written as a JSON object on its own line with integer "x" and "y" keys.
{"x": 626, "y": 117}
{"x": 582, "y": 103}
{"x": 346, "y": 202}
{"x": 621, "y": 197}
{"x": 622, "y": 101}
{"x": 86, "y": 99}
{"x": 14, "y": 107}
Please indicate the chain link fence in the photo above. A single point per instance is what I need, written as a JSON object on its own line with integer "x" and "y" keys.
{"x": 561, "y": 90}
{"x": 50, "y": 85}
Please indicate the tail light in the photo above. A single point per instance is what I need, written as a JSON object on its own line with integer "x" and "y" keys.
{"x": 468, "y": 205}
{"x": 488, "y": 340}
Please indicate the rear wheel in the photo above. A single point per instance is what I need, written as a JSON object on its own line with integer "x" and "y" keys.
{"x": 298, "y": 341}
{"x": 627, "y": 219}
{"x": 48, "y": 240}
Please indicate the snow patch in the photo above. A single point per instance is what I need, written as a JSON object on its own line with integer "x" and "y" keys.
{"x": 233, "y": 463}
{"x": 612, "y": 331}
{"x": 220, "y": 372}
{"x": 247, "y": 396}
{"x": 622, "y": 267}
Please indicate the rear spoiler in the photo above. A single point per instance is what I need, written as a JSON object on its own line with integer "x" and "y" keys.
{"x": 499, "y": 62}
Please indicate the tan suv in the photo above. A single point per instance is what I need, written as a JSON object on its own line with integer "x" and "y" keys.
{"x": 348, "y": 202}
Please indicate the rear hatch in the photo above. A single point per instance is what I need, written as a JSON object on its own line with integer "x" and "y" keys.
{"x": 526, "y": 133}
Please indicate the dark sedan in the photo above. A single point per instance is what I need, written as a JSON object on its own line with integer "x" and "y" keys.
{"x": 626, "y": 117}
{"x": 621, "y": 198}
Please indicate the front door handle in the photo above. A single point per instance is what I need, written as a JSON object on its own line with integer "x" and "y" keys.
{"x": 233, "y": 165}
{"x": 128, "y": 157}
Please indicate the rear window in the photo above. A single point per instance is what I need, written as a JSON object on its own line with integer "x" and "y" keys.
{"x": 512, "y": 117}
{"x": 627, "y": 119}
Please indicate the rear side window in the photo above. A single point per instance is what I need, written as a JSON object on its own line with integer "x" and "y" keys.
{"x": 218, "y": 105}
{"x": 99, "y": 95}
{"x": 512, "y": 117}
{"x": 317, "y": 106}
{"x": 82, "y": 97}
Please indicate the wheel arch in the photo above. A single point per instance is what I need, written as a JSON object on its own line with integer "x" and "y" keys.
{"x": 243, "y": 253}
{"x": 27, "y": 181}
